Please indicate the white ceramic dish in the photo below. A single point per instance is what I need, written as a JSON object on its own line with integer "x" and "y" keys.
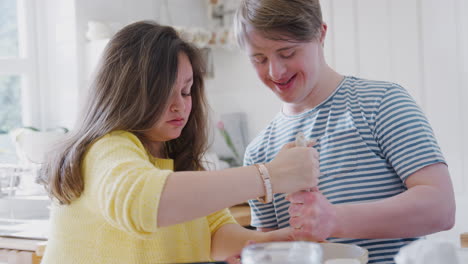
{"x": 344, "y": 251}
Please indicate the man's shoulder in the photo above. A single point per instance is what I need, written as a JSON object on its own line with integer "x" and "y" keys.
{"x": 369, "y": 86}
{"x": 368, "y": 90}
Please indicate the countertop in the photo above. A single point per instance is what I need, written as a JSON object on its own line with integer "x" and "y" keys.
{"x": 26, "y": 229}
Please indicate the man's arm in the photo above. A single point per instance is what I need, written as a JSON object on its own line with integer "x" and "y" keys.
{"x": 427, "y": 206}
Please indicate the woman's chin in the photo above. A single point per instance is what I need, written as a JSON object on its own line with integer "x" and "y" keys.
{"x": 173, "y": 136}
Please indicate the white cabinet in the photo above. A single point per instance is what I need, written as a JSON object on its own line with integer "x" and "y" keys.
{"x": 9, "y": 256}
{"x": 21, "y": 251}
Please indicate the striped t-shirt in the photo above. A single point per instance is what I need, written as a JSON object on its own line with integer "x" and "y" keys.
{"x": 371, "y": 136}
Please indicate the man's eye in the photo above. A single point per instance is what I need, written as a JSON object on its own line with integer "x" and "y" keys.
{"x": 259, "y": 60}
{"x": 288, "y": 54}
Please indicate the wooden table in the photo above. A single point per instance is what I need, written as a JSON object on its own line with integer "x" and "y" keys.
{"x": 464, "y": 240}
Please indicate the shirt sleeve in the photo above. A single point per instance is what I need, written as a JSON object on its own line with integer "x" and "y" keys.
{"x": 218, "y": 219}
{"x": 404, "y": 133}
{"x": 123, "y": 185}
{"x": 262, "y": 215}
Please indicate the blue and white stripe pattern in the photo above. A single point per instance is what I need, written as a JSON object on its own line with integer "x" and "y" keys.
{"x": 371, "y": 136}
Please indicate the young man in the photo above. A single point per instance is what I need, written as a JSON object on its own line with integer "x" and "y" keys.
{"x": 384, "y": 181}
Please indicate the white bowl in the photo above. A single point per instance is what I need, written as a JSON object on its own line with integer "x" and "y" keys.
{"x": 344, "y": 251}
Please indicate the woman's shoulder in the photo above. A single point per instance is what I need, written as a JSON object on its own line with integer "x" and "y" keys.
{"x": 121, "y": 136}
{"x": 118, "y": 139}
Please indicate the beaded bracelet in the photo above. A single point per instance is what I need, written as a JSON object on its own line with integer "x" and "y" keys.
{"x": 266, "y": 182}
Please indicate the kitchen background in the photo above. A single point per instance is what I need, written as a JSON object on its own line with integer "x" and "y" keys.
{"x": 420, "y": 44}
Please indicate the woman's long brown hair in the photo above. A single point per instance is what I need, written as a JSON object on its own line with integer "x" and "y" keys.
{"x": 130, "y": 92}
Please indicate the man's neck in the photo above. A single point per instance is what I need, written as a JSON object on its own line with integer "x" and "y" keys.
{"x": 327, "y": 84}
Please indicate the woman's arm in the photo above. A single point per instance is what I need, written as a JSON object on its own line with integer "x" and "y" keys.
{"x": 189, "y": 195}
{"x": 231, "y": 238}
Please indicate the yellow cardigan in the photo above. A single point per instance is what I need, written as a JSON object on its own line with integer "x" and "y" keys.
{"x": 115, "y": 219}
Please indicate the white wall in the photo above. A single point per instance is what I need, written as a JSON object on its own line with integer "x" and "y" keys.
{"x": 236, "y": 88}
{"x": 62, "y": 25}
{"x": 119, "y": 13}
{"x": 115, "y": 12}
{"x": 57, "y": 63}
{"x": 421, "y": 44}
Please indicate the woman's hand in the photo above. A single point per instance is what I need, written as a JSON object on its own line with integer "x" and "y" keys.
{"x": 313, "y": 217}
{"x": 294, "y": 168}
{"x": 235, "y": 259}
{"x": 284, "y": 234}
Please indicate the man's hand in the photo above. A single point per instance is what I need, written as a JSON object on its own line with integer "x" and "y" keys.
{"x": 313, "y": 217}
{"x": 283, "y": 234}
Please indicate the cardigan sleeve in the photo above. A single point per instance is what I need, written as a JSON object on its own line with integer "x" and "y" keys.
{"x": 217, "y": 219}
{"x": 123, "y": 185}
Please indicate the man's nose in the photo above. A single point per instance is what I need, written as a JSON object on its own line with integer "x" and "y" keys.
{"x": 276, "y": 70}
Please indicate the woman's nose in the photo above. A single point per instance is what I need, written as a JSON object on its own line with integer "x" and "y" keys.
{"x": 178, "y": 104}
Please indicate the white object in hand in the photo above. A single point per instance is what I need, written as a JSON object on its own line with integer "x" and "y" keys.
{"x": 300, "y": 140}
{"x": 294, "y": 252}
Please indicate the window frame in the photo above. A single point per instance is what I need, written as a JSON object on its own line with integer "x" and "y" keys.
{"x": 26, "y": 65}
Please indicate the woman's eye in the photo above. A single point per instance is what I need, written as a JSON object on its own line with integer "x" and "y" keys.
{"x": 186, "y": 94}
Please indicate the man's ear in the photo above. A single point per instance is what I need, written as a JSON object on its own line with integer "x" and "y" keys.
{"x": 323, "y": 33}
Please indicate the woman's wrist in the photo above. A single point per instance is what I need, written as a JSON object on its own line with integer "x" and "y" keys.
{"x": 265, "y": 176}
{"x": 273, "y": 171}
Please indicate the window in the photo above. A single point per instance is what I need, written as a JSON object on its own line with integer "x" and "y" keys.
{"x": 10, "y": 113}
{"x": 17, "y": 72}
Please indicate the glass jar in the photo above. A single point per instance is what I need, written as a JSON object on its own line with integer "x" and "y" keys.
{"x": 297, "y": 252}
